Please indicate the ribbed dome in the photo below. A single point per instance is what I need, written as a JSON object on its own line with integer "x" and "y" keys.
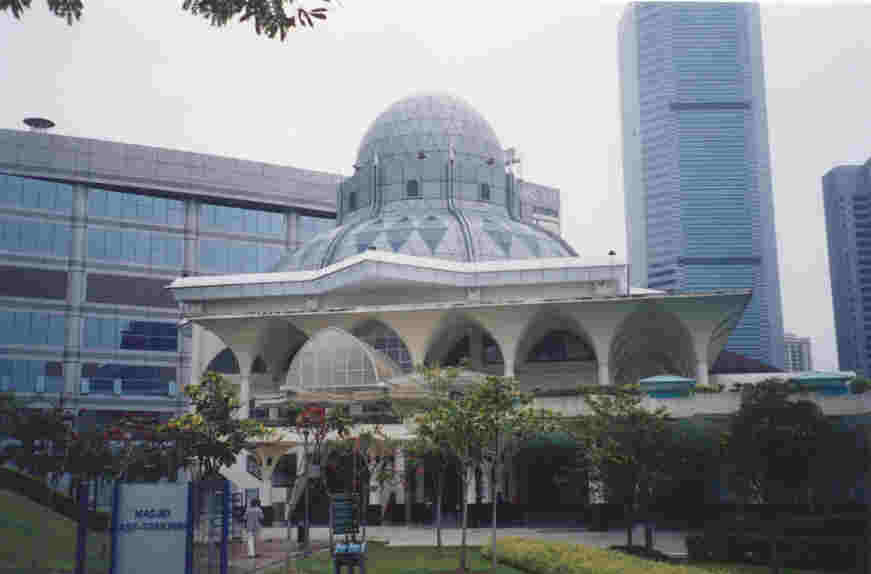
{"x": 428, "y": 123}
{"x": 430, "y": 181}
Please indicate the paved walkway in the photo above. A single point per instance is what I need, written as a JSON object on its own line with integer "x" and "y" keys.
{"x": 669, "y": 541}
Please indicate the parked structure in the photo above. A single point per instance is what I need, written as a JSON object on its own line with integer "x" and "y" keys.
{"x": 697, "y": 179}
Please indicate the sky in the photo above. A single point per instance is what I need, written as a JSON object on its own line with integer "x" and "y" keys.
{"x": 544, "y": 75}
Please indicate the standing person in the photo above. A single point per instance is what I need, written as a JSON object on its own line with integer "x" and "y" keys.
{"x": 253, "y": 520}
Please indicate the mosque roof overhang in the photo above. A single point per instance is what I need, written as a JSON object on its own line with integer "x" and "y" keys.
{"x": 373, "y": 269}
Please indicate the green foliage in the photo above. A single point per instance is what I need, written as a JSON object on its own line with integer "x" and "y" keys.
{"x": 780, "y": 446}
{"x": 271, "y": 17}
{"x": 212, "y": 436}
{"x": 712, "y": 388}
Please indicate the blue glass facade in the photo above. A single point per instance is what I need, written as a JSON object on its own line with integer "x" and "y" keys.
{"x": 847, "y": 203}
{"x": 699, "y": 207}
{"x": 85, "y": 264}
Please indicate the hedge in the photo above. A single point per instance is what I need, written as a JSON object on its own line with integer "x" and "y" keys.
{"x": 548, "y": 557}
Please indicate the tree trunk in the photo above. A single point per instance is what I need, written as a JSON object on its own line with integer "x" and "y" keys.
{"x": 439, "y": 495}
{"x": 465, "y": 520}
{"x": 630, "y": 522}
{"x": 494, "y": 482}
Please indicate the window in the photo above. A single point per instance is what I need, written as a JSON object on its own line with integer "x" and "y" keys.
{"x": 147, "y": 208}
{"x": 412, "y": 189}
{"x": 228, "y": 256}
{"x": 22, "y": 375}
{"x": 135, "y": 379}
{"x": 132, "y": 335}
{"x": 31, "y": 328}
{"x": 238, "y": 220}
{"x": 35, "y": 193}
{"x": 132, "y": 246}
{"x": 560, "y": 346}
{"x": 485, "y": 192}
{"x": 352, "y": 201}
{"x": 308, "y": 226}
{"x": 29, "y": 235}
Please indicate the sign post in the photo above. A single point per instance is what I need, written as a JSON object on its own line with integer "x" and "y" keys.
{"x": 151, "y": 526}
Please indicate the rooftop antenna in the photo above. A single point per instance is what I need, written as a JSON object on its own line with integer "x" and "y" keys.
{"x": 38, "y": 124}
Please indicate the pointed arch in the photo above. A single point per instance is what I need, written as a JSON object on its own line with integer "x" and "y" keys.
{"x": 382, "y": 337}
{"x": 460, "y": 336}
{"x": 551, "y": 336}
{"x": 651, "y": 341}
{"x": 225, "y": 363}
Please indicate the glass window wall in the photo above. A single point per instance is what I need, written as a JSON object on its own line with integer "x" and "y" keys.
{"x": 24, "y": 376}
{"x": 136, "y": 380}
{"x": 31, "y": 328}
{"x": 310, "y": 226}
{"x": 240, "y": 220}
{"x": 228, "y": 256}
{"x": 130, "y": 334}
{"x": 35, "y": 193}
{"x": 135, "y": 246}
{"x": 146, "y": 208}
{"x": 28, "y": 235}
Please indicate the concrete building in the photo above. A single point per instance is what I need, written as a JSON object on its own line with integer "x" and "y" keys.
{"x": 847, "y": 203}
{"x": 91, "y": 232}
{"x": 697, "y": 179}
{"x": 798, "y": 353}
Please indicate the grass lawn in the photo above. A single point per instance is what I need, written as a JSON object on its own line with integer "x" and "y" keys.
{"x": 427, "y": 559}
{"x": 404, "y": 560}
{"x": 32, "y": 535}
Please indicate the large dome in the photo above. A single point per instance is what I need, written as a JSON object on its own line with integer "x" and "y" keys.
{"x": 430, "y": 122}
{"x": 430, "y": 181}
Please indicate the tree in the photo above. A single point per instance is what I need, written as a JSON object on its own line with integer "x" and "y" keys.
{"x": 271, "y": 17}
{"x": 469, "y": 425}
{"x": 781, "y": 448}
{"x": 625, "y": 447}
{"x": 314, "y": 423}
{"x": 212, "y": 436}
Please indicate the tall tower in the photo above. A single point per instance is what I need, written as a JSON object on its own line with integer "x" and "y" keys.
{"x": 847, "y": 202}
{"x": 697, "y": 180}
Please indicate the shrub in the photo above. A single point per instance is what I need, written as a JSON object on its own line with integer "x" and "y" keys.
{"x": 714, "y": 388}
{"x": 859, "y": 386}
{"x": 696, "y": 550}
{"x": 549, "y": 557}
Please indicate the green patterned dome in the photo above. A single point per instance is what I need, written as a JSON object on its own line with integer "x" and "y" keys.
{"x": 430, "y": 181}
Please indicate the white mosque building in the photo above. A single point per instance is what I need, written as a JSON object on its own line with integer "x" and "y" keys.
{"x": 430, "y": 263}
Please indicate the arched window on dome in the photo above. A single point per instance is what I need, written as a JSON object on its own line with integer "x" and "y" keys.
{"x": 352, "y": 201}
{"x": 382, "y": 338}
{"x": 412, "y": 189}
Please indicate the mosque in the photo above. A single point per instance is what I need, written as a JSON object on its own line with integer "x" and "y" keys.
{"x": 430, "y": 263}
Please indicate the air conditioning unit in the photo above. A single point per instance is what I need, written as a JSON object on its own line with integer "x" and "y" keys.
{"x": 5, "y": 383}
{"x": 172, "y": 390}
{"x": 116, "y": 387}
{"x": 40, "y": 383}
{"x": 85, "y": 386}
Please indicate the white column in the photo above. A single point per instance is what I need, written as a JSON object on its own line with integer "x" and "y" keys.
{"x": 266, "y": 471}
{"x": 486, "y": 484}
{"x": 470, "y": 485}
{"x": 244, "y": 396}
{"x": 604, "y": 373}
{"x": 374, "y": 494}
{"x": 702, "y": 373}
{"x": 399, "y": 473}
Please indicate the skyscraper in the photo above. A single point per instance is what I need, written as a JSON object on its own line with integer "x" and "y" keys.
{"x": 798, "y": 352}
{"x": 847, "y": 202}
{"x": 699, "y": 207}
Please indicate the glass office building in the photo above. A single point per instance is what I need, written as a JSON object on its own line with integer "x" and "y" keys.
{"x": 699, "y": 206}
{"x": 90, "y": 234}
{"x": 847, "y": 203}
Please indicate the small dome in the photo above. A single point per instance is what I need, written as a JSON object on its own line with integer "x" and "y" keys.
{"x": 335, "y": 360}
{"x": 430, "y": 122}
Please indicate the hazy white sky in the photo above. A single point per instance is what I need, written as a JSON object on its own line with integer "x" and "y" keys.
{"x": 543, "y": 74}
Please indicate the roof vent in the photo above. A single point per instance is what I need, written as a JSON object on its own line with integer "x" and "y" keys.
{"x": 38, "y": 124}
